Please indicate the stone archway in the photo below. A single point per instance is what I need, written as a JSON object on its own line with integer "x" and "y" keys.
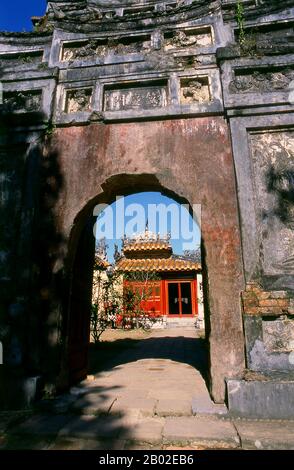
{"x": 189, "y": 159}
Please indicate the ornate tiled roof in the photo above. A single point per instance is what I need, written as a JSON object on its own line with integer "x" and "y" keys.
{"x": 157, "y": 264}
{"x": 148, "y": 251}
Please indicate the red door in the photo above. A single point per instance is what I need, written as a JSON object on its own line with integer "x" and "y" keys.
{"x": 153, "y": 304}
{"x": 181, "y": 298}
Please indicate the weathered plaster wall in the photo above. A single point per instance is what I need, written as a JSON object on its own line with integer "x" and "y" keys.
{"x": 191, "y": 158}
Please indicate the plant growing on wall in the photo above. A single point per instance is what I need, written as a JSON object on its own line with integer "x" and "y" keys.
{"x": 247, "y": 41}
{"x": 50, "y": 129}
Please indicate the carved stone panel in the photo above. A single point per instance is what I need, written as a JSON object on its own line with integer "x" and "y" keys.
{"x": 103, "y": 47}
{"x": 78, "y": 100}
{"x": 144, "y": 97}
{"x": 273, "y": 169}
{"x": 195, "y": 90}
{"x": 189, "y": 38}
{"x": 187, "y": 61}
{"x": 23, "y": 101}
{"x": 278, "y": 335}
{"x": 261, "y": 81}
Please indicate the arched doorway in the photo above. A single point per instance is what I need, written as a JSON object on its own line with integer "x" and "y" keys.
{"x": 79, "y": 267}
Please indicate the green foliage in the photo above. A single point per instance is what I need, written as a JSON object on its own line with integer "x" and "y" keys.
{"x": 99, "y": 322}
{"x": 43, "y": 25}
{"x": 247, "y": 41}
{"x": 50, "y": 129}
{"x": 249, "y": 45}
{"x": 43, "y": 66}
{"x": 240, "y": 21}
{"x": 107, "y": 302}
{"x": 25, "y": 59}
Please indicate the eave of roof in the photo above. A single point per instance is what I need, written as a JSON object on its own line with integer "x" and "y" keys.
{"x": 157, "y": 265}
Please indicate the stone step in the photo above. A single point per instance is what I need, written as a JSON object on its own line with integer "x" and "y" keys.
{"x": 204, "y": 431}
{"x": 180, "y": 322}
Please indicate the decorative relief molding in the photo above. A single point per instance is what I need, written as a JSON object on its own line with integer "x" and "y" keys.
{"x": 78, "y": 100}
{"x": 89, "y": 13}
{"x": 23, "y": 101}
{"x": 278, "y": 335}
{"x": 130, "y": 98}
{"x": 79, "y": 14}
{"x": 201, "y": 37}
{"x": 103, "y": 47}
{"x": 22, "y": 58}
{"x": 187, "y": 61}
{"x": 195, "y": 90}
{"x": 261, "y": 81}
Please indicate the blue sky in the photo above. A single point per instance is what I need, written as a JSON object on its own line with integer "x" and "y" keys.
{"x": 181, "y": 225}
{"x": 16, "y": 14}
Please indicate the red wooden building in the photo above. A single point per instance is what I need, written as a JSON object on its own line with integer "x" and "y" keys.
{"x": 174, "y": 292}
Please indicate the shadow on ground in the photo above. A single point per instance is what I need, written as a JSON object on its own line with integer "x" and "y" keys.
{"x": 90, "y": 417}
{"x": 106, "y": 355}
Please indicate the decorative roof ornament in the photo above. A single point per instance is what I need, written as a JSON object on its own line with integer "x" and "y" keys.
{"x": 147, "y": 236}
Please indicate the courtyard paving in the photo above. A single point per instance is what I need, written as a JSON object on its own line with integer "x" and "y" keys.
{"x": 150, "y": 395}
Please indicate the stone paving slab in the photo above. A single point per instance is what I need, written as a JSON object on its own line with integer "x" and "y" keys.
{"x": 25, "y": 442}
{"x": 160, "y": 394}
{"x": 42, "y": 425}
{"x": 146, "y": 406}
{"x": 173, "y": 407}
{"x": 8, "y": 419}
{"x": 141, "y": 384}
{"x": 132, "y": 432}
{"x": 63, "y": 443}
{"x": 145, "y": 431}
{"x": 200, "y": 430}
{"x": 91, "y": 427}
{"x": 132, "y": 393}
{"x": 138, "y": 446}
{"x": 93, "y": 403}
{"x": 274, "y": 434}
{"x": 202, "y": 404}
